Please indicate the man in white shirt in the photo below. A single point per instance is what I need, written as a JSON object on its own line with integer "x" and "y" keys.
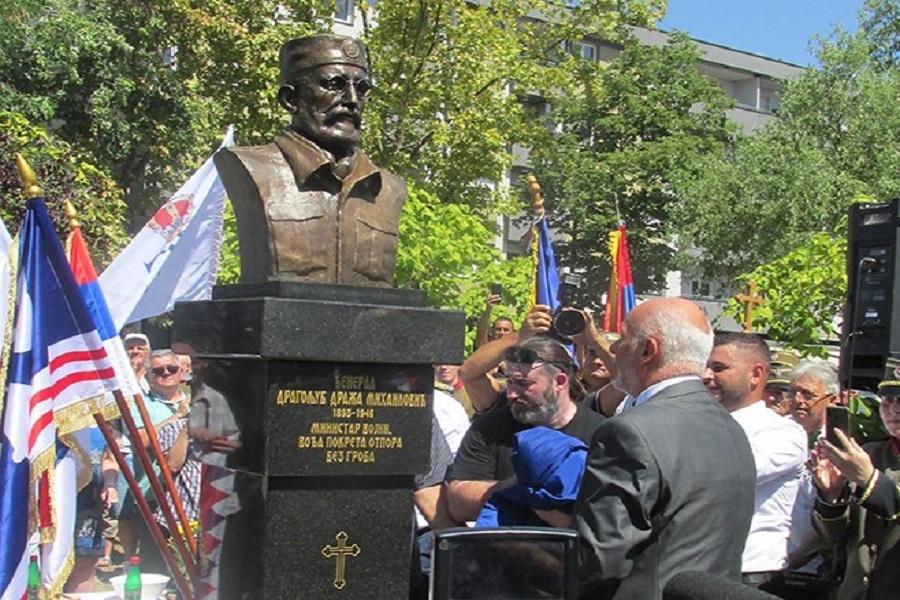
{"x": 736, "y": 375}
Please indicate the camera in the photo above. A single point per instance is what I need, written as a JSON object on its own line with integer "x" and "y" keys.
{"x": 568, "y": 320}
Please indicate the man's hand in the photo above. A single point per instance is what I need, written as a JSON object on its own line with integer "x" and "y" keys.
{"x": 493, "y": 299}
{"x": 826, "y": 476}
{"x": 851, "y": 462}
{"x": 537, "y": 322}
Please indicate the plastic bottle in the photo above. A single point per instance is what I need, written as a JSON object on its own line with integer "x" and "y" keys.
{"x": 34, "y": 579}
{"x": 133, "y": 580}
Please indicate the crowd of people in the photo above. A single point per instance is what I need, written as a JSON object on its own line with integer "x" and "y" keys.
{"x": 667, "y": 447}
{"x": 675, "y": 449}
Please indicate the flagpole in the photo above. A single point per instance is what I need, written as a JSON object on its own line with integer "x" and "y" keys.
{"x": 167, "y": 474}
{"x": 169, "y": 481}
{"x": 155, "y": 483}
{"x": 143, "y": 506}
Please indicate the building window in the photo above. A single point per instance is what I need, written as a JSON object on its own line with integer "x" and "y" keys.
{"x": 584, "y": 50}
{"x": 343, "y": 11}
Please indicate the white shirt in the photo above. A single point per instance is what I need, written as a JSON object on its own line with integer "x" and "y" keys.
{"x": 454, "y": 423}
{"x": 779, "y": 451}
{"x": 452, "y": 418}
{"x": 630, "y": 401}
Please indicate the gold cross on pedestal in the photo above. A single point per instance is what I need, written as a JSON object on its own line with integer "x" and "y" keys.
{"x": 340, "y": 552}
{"x": 749, "y": 301}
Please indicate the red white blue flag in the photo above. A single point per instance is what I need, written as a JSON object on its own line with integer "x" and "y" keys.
{"x": 58, "y": 366}
{"x": 621, "y": 298}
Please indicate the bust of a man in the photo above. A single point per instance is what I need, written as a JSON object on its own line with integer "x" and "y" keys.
{"x": 311, "y": 206}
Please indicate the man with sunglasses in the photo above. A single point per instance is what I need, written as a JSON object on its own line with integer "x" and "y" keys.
{"x": 311, "y": 206}
{"x": 166, "y": 402}
{"x": 542, "y": 390}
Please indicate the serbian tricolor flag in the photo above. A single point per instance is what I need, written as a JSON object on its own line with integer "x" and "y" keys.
{"x": 86, "y": 277}
{"x": 59, "y": 372}
{"x": 621, "y": 286}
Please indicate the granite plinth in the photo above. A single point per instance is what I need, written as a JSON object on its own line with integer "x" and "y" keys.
{"x": 338, "y": 329}
{"x": 323, "y": 404}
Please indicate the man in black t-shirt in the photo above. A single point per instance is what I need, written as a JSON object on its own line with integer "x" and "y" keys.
{"x": 541, "y": 390}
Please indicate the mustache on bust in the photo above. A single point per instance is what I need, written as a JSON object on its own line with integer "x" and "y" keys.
{"x": 335, "y": 116}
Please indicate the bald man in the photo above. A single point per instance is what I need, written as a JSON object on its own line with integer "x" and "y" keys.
{"x": 669, "y": 483}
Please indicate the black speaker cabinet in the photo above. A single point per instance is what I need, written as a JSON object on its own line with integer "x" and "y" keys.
{"x": 872, "y": 318}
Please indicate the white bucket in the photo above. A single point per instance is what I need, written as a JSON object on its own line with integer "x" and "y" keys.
{"x": 152, "y": 585}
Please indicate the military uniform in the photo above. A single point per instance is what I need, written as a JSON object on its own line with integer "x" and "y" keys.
{"x": 322, "y": 225}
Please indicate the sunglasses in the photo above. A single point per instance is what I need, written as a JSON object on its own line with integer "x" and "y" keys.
{"x": 161, "y": 371}
{"x": 527, "y": 356}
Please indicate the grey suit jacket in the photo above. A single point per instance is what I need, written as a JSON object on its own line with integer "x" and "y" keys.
{"x": 668, "y": 488}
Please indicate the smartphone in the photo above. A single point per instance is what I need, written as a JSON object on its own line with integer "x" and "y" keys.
{"x": 496, "y": 289}
{"x": 836, "y": 417}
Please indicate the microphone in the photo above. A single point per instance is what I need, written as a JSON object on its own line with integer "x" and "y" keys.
{"x": 698, "y": 585}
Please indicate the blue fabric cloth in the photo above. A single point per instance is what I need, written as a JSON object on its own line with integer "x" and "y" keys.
{"x": 549, "y": 465}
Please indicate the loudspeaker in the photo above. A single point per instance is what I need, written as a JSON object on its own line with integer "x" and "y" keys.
{"x": 871, "y": 328}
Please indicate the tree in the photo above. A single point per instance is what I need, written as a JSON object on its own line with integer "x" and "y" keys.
{"x": 447, "y": 252}
{"x": 451, "y": 76}
{"x": 836, "y": 139}
{"x": 614, "y": 147}
{"x": 95, "y": 73}
{"x": 804, "y": 291}
{"x": 774, "y": 208}
{"x": 62, "y": 175}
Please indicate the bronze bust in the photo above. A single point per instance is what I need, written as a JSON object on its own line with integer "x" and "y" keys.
{"x": 311, "y": 206}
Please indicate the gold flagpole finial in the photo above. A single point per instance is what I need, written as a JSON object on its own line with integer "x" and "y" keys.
{"x": 71, "y": 214}
{"x": 29, "y": 179}
{"x": 535, "y": 188}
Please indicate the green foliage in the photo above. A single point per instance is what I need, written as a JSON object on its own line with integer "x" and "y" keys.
{"x": 447, "y": 252}
{"x": 95, "y": 72}
{"x": 803, "y": 291}
{"x": 62, "y": 175}
{"x": 625, "y": 133}
{"x": 451, "y": 76}
{"x": 837, "y": 139}
{"x": 230, "y": 260}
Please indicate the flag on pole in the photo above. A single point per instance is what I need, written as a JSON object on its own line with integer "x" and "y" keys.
{"x": 545, "y": 284}
{"x": 58, "y": 371}
{"x": 86, "y": 278}
{"x": 175, "y": 257}
{"x": 620, "y": 299}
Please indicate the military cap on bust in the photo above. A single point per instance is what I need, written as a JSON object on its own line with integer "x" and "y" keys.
{"x": 304, "y": 53}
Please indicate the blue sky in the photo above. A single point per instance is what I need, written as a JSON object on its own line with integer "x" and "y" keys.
{"x": 779, "y": 29}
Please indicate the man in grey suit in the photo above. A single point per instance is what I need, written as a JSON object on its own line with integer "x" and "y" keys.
{"x": 669, "y": 483}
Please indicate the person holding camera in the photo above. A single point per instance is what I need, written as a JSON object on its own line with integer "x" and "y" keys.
{"x": 864, "y": 519}
{"x": 485, "y": 331}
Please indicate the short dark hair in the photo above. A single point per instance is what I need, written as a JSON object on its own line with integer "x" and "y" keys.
{"x": 748, "y": 342}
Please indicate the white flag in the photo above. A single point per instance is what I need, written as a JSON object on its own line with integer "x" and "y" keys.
{"x": 175, "y": 257}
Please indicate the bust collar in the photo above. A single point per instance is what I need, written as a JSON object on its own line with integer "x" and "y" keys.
{"x": 305, "y": 158}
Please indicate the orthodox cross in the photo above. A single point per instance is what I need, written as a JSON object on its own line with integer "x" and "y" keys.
{"x": 749, "y": 300}
{"x": 341, "y": 551}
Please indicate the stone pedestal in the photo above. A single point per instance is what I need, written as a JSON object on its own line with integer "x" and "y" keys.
{"x": 312, "y": 404}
